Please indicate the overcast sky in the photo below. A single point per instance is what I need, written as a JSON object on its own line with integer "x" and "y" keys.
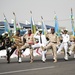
{"x": 39, "y": 8}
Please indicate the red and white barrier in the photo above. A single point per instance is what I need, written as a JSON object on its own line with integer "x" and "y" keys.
{"x": 36, "y": 52}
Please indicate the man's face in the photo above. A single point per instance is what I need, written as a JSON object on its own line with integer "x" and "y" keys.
{"x": 52, "y": 30}
{"x": 17, "y": 33}
{"x": 29, "y": 31}
{"x": 65, "y": 31}
{"x": 6, "y": 35}
{"x": 40, "y": 32}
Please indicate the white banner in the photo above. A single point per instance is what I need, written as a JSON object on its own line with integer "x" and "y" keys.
{"x": 36, "y": 52}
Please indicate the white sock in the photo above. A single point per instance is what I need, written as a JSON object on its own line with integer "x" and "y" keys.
{"x": 20, "y": 60}
{"x": 74, "y": 55}
{"x": 70, "y": 52}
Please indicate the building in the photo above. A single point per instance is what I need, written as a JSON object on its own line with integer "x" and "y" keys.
{"x": 22, "y": 25}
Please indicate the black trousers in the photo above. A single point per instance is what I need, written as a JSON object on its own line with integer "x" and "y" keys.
{"x": 12, "y": 50}
{"x": 2, "y": 47}
{"x": 9, "y": 53}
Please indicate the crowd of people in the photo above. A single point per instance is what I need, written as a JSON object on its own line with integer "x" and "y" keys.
{"x": 34, "y": 41}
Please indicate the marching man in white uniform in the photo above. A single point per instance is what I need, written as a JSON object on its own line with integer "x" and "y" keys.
{"x": 41, "y": 42}
{"x": 65, "y": 40}
{"x": 72, "y": 47}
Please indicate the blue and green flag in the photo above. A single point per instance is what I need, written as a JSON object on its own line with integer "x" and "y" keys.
{"x": 72, "y": 22}
{"x": 33, "y": 26}
{"x": 44, "y": 29}
{"x": 57, "y": 30}
{"x": 15, "y": 26}
{"x": 7, "y": 26}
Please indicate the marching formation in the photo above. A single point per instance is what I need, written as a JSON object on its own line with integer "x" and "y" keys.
{"x": 35, "y": 41}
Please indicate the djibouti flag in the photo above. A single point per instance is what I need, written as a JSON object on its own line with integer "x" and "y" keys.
{"x": 44, "y": 29}
{"x": 57, "y": 31}
{"x": 15, "y": 27}
{"x": 7, "y": 27}
{"x": 72, "y": 22}
{"x": 33, "y": 26}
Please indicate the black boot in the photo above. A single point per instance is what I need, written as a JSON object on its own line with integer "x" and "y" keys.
{"x": 8, "y": 56}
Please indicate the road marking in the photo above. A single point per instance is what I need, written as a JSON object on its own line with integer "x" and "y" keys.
{"x": 10, "y": 72}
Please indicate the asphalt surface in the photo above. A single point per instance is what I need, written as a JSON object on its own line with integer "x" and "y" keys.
{"x": 62, "y": 67}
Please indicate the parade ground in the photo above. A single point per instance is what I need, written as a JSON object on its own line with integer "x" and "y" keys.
{"x": 62, "y": 67}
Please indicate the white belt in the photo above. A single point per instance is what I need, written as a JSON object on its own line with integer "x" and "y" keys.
{"x": 64, "y": 42}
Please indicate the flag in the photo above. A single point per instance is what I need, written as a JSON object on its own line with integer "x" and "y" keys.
{"x": 7, "y": 27}
{"x": 44, "y": 29}
{"x": 15, "y": 27}
{"x": 57, "y": 31}
{"x": 33, "y": 26}
{"x": 26, "y": 22}
{"x": 72, "y": 22}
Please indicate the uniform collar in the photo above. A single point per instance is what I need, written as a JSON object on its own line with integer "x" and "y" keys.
{"x": 29, "y": 34}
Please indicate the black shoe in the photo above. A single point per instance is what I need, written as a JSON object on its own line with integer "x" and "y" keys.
{"x": 8, "y": 59}
{"x": 65, "y": 59}
{"x": 68, "y": 53}
{"x": 8, "y": 62}
{"x": 54, "y": 60}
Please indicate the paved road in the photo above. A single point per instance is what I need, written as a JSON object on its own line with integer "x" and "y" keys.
{"x": 62, "y": 67}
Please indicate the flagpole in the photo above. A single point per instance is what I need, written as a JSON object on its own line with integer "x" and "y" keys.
{"x": 31, "y": 19}
{"x": 72, "y": 22}
{"x": 7, "y": 28}
{"x": 33, "y": 26}
{"x": 44, "y": 29}
{"x": 55, "y": 18}
{"x": 42, "y": 25}
{"x": 31, "y": 13}
{"x": 57, "y": 31}
{"x": 15, "y": 28}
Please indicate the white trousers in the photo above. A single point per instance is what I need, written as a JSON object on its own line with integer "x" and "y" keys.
{"x": 65, "y": 46}
{"x": 38, "y": 45}
{"x": 44, "y": 55}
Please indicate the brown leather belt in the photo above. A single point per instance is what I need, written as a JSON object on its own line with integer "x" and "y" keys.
{"x": 54, "y": 42}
